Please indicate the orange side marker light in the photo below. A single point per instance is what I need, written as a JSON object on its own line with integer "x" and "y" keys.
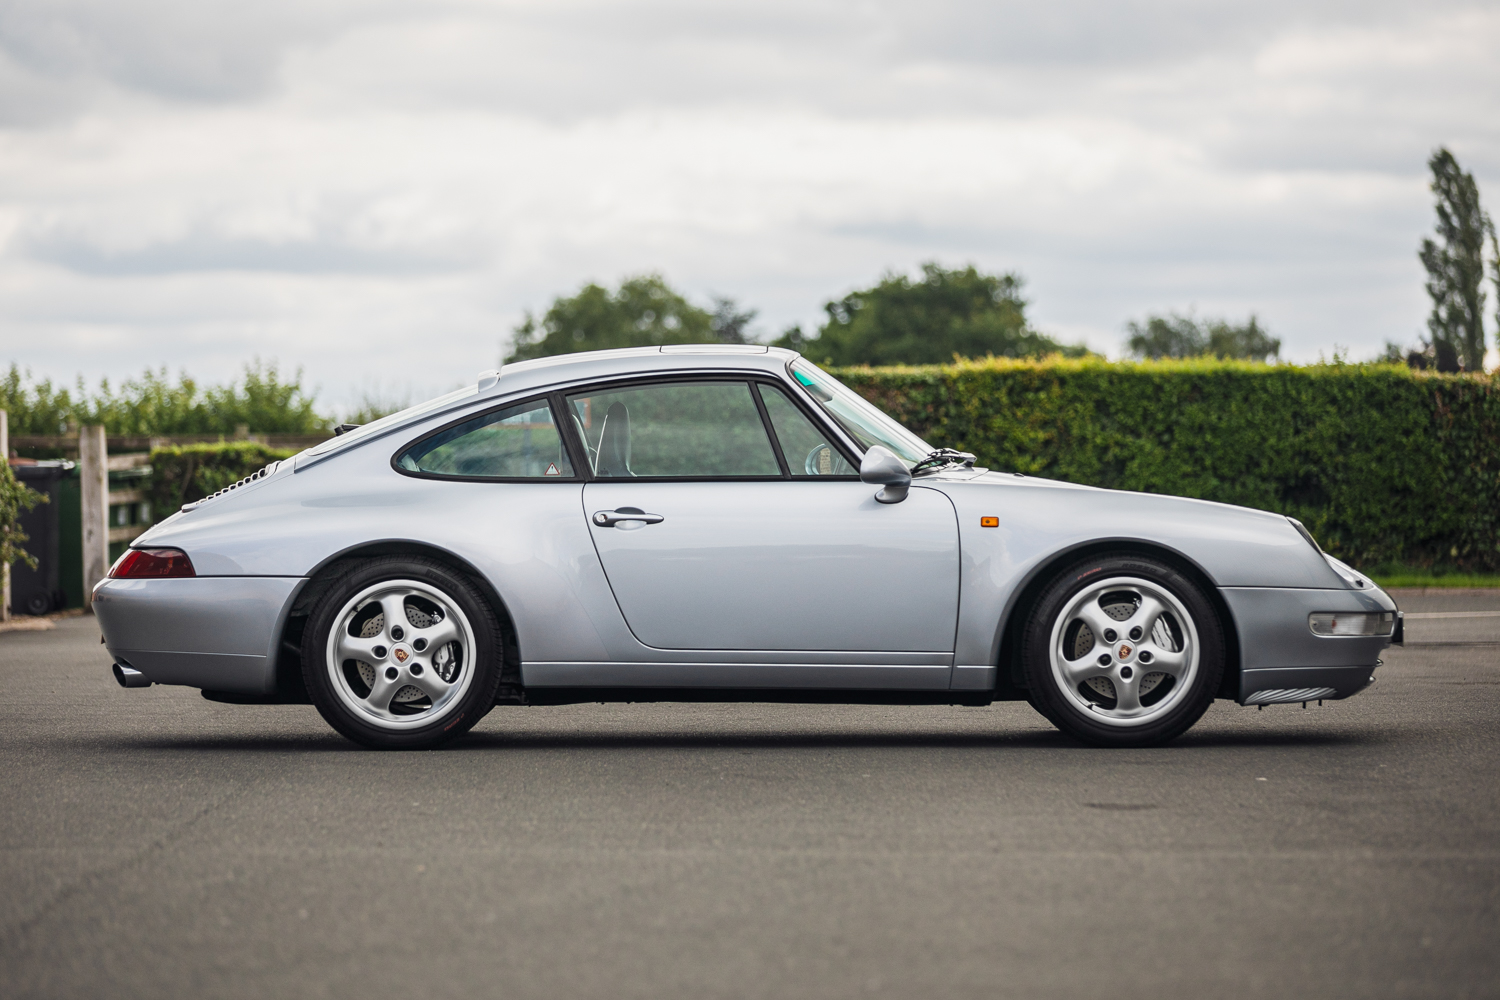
{"x": 989, "y": 522}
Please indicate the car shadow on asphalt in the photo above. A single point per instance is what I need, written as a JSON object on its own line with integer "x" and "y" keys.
{"x": 500, "y": 741}
{"x": 521, "y": 742}
{"x": 904, "y": 740}
{"x": 259, "y": 743}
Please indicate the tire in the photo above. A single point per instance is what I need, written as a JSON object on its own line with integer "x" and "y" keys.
{"x": 1041, "y": 709}
{"x": 407, "y": 679}
{"x": 1123, "y": 651}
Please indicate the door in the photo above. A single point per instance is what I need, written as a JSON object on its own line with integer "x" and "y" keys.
{"x": 754, "y": 534}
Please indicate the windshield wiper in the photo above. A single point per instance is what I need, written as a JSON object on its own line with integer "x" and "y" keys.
{"x": 943, "y": 457}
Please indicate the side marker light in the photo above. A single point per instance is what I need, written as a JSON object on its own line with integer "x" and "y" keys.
{"x": 989, "y": 522}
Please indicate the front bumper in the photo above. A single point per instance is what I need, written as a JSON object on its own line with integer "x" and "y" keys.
{"x": 212, "y": 632}
{"x": 1281, "y": 660}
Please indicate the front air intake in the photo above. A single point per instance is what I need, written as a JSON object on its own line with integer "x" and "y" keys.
{"x": 1283, "y": 696}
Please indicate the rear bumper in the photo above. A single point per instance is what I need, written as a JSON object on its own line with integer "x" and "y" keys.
{"x": 1281, "y": 660}
{"x": 215, "y": 632}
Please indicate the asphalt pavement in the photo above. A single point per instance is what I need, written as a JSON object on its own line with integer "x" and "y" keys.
{"x": 156, "y": 844}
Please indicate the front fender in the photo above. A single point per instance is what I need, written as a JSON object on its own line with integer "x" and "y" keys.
{"x": 1040, "y": 522}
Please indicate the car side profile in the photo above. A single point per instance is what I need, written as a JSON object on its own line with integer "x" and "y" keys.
{"x": 718, "y": 523}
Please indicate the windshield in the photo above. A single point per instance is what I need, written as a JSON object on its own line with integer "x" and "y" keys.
{"x": 862, "y": 421}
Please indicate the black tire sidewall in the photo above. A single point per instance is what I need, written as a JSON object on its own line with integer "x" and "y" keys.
{"x": 486, "y": 661}
{"x": 1061, "y": 709}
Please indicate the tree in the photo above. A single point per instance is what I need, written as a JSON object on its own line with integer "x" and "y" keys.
{"x": 1495, "y": 277}
{"x": 1177, "y": 336}
{"x": 730, "y": 325}
{"x": 1455, "y": 266}
{"x": 927, "y": 321}
{"x": 1248, "y": 342}
{"x": 644, "y": 312}
{"x": 1170, "y": 336}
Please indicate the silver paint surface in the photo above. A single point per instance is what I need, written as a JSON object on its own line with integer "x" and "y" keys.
{"x": 781, "y": 565}
{"x": 215, "y": 633}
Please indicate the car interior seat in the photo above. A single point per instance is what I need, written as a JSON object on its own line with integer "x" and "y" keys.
{"x": 614, "y": 443}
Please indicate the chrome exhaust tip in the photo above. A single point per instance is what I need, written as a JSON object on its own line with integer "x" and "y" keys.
{"x": 129, "y": 677}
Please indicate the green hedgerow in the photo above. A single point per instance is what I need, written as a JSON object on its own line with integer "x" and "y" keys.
{"x": 184, "y": 473}
{"x": 1382, "y": 464}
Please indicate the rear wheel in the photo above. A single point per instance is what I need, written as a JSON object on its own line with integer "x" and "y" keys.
{"x": 1123, "y": 651}
{"x": 402, "y": 653}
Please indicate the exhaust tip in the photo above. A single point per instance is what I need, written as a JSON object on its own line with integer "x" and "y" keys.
{"x": 129, "y": 677}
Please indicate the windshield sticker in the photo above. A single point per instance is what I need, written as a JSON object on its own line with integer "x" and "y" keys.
{"x": 551, "y": 469}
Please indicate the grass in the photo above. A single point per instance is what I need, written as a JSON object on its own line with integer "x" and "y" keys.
{"x": 1426, "y": 578}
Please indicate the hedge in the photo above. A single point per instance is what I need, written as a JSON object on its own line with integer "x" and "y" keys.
{"x": 1384, "y": 465}
{"x": 183, "y": 473}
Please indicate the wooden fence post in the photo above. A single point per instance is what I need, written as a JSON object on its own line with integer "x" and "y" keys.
{"x": 5, "y": 569}
{"x": 93, "y": 478}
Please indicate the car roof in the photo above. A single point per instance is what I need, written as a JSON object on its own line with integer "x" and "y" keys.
{"x": 622, "y": 357}
{"x": 562, "y": 370}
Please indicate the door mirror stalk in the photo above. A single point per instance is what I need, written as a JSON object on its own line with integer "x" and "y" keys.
{"x": 882, "y": 467}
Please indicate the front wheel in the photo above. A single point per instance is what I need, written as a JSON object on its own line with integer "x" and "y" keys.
{"x": 1123, "y": 651}
{"x": 402, "y": 653}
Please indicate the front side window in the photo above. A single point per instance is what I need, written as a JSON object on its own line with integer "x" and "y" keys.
{"x": 520, "y": 442}
{"x": 674, "y": 429}
{"x": 862, "y": 421}
{"x": 808, "y": 452}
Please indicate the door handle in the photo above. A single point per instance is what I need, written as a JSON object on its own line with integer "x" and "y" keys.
{"x": 610, "y": 518}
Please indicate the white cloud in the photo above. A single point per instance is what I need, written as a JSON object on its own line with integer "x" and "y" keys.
{"x": 377, "y": 191}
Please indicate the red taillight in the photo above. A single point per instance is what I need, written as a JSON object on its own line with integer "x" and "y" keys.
{"x": 141, "y": 564}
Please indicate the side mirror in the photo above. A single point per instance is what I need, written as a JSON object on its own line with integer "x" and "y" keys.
{"x": 881, "y": 467}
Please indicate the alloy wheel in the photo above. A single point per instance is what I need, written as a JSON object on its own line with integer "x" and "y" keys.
{"x": 1124, "y": 651}
{"x": 400, "y": 654}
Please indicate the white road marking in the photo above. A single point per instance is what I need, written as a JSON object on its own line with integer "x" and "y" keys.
{"x": 1452, "y": 614}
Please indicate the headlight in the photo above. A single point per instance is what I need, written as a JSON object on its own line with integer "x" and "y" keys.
{"x": 1352, "y": 623}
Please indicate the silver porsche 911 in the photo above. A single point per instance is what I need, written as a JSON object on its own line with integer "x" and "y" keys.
{"x": 718, "y": 523}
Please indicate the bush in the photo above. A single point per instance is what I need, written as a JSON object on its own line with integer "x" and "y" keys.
{"x": 1382, "y": 464}
{"x": 15, "y": 498}
{"x": 184, "y": 473}
{"x": 262, "y": 399}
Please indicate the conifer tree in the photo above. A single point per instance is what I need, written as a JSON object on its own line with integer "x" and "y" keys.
{"x": 1455, "y": 266}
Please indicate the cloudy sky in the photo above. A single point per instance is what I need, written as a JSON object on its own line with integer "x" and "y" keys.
{"x": 376, "y": 191}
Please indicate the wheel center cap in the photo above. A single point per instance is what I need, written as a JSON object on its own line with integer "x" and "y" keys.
{"x": 1124, "y": 652}
{"x": 402, "y": 654}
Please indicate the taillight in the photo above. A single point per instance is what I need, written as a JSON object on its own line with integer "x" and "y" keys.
{"x": 142, "y": 564}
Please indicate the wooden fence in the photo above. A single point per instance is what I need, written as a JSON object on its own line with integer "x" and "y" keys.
{"x": 115, "y": 516}
{"x": 117, "y": 443}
